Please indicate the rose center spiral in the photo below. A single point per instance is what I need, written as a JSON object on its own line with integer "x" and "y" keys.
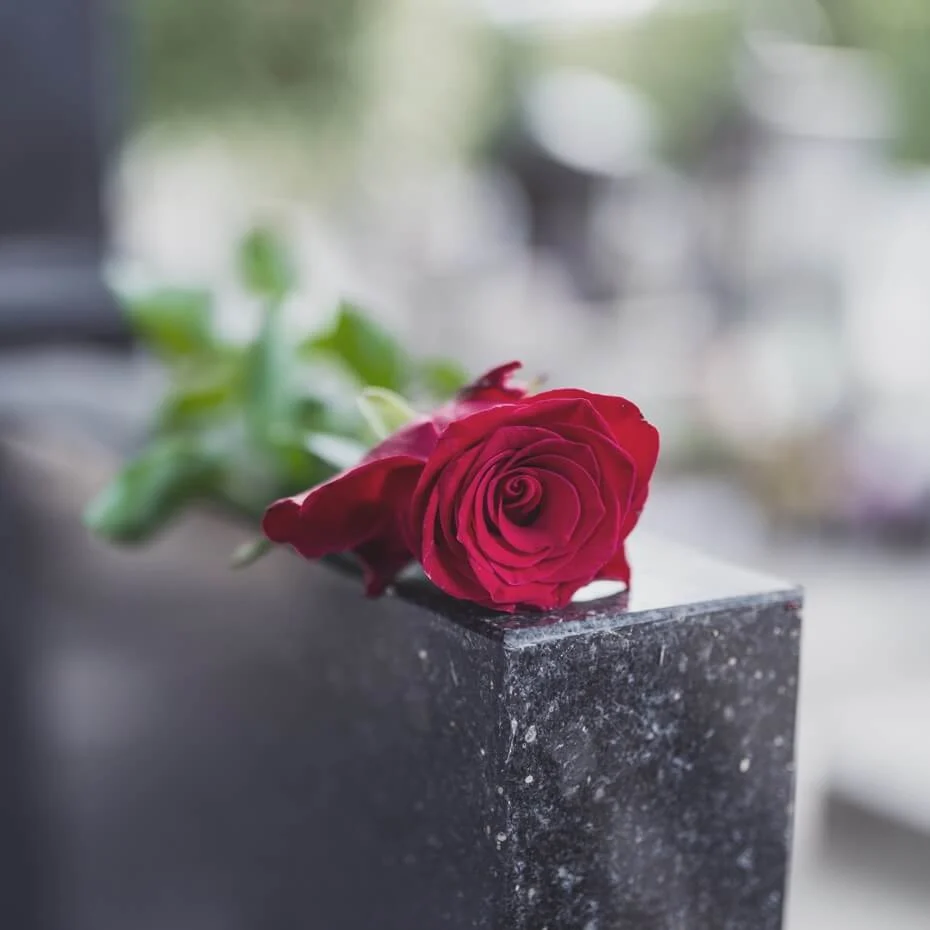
{"x": 521, "y": 498}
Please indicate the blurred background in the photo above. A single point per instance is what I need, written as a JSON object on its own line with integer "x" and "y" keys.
{"x": 720, "y": 208}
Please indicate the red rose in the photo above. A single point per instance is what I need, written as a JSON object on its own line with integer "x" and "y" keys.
{"x": 523, "y": 503}
{"x": 507, "y": 500}
{"x": 365, "y": 509}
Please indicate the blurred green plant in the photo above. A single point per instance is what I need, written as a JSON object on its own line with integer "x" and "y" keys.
{"x": 244, "y": 424}
{"x": 897, "y": 33}
{"x": 203, "y": 57}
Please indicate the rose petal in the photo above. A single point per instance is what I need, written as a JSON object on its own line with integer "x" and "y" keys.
{"x": 361, "y": 510}
{"x": 458, "y": 490}
{"x": 518, "y": 497}
{"x": 556, "y": 521}
{"x": 618, "y": 568}
{"x": 494, "y": 387}
{"x": 635, "y": 435}
{"x": 510, "y": 555}
{"x": 444, "y": 560}
{"x": 540, "y": 595}
{"x": 382, "y": 557}
{"x": 465, "y": 433}
{"x": 344, "y": 511}
{"x": 281, "y": 522}
{"x": 598, "y": 537}
{"x": 518, "y": 441}
{"x": 462, "y": 480}
{"x": 416, "y": 439}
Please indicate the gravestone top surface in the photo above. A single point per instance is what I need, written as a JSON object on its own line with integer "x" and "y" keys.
{"x": 670, "y": 582}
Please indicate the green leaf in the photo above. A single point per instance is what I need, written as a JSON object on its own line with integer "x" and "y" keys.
{"x": 295, "y": 468}
{"x": 270, "y": 379}
{"x": 442, "y": 378}
{"x": 250, "y": 552}
{"x": 385, "y": 411}
{"x": 251, "y": 473}
{"x": 174, "y": 323}
{"x": 365, "y": 348}
{"x": 265, "y": 267}
{"x": 151, "y": 490}
{"x": 310, "y": 413}
{"x": 339, "y": 452}
{"x": 202, "y": 394}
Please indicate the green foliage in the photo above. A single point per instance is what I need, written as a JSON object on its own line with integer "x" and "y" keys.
{"x": 441, "y": 378}
{"x": 366, "y": 349}
{"x": 897, "y": 32}
{"x": 243, "y": 425}
{"x": 384, "y": 411}
{"x": 151, "y": 489}
{"x": 269, "y": 374}
{"x": 377, "y": 359}
{"x": 202, "y": 390}
{"x": 250, "y": 552}
{"x": 339, "y": 452}
{"x": 174, "y": 323}
{"x": 203, "y": 57}
{"x": 265, "y": 267}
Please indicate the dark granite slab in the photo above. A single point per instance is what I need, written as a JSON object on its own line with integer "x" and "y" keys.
{"x": 268, "y": 750}
{"x": 271, "y": 751}
{"x": 643, "y": 752}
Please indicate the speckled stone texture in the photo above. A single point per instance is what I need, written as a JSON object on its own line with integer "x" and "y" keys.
{"x": 641, "y": 754}
{"x": 274, "y": 752}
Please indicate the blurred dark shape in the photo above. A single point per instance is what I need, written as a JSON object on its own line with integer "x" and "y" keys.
{"x": 576, "y": 137}
{"x": 870, "y": 843}
{"x": 53, "y": 142}
{"x": 24, "y": 888}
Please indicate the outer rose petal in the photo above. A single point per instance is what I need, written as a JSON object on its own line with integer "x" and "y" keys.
{"x": 491, "y": 388}
{"x": 634, "y": 434}
{"x": 618, "y": 568}
{"x": 363, "y": 510}
{"x": 452, "y": 575}
{"x": 630, "y": 430}
{"x": 281, "y": 522}
{"x": 386, "y": 552}
{"x": 416, "y": 439}
{"x": 494, "y": 386}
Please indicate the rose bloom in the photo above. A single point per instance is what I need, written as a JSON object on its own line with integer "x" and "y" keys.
{"x": 510, "y": 500}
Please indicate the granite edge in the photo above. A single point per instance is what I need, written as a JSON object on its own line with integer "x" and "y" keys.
{"x": 518, "y": 631}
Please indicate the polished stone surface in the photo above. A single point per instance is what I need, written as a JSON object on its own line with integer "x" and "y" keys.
{"x": 270, "y": 750}
{"x": 644, "y": 753}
